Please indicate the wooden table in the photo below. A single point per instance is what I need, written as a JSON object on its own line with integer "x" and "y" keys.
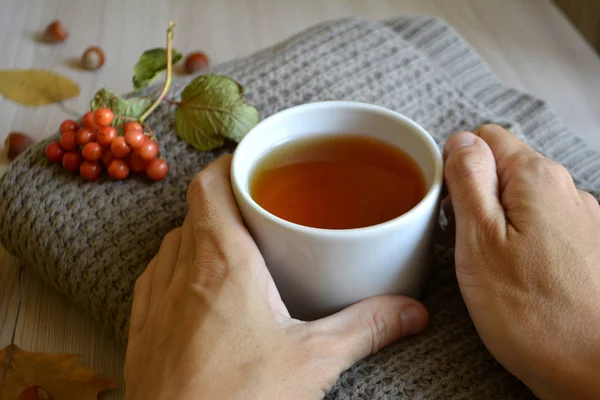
{"x": 528, "y": 43}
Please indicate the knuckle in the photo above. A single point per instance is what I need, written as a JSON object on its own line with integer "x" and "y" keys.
{"x": 535, "y": 169}
{"x": 199, "y": 187}
{"x": 378, "y": 327}
{"x": 171, "y": 236}
{"x": 489, "y": 226}
{"x": 464, "y": 163}
{"x": 553, "y": 170}
{"x": 210, "y": 271}
{"x": 522, "y": 158}
{"x": 140, "y": 283}
{"x": 217, "y": 262}
{"x": 215, "y": 174}
{"x": 588, "y": 198}
{"x": 489, "y": 129}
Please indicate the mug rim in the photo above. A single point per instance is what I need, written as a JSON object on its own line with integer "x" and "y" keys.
{"x": 433, "y": 190}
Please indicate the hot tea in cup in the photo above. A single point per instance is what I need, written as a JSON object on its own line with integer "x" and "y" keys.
{"x": 342, "y": 199}
{"x": 337, "y": 182}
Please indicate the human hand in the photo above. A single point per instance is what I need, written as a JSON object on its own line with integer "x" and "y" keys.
{"x": 207, "y": 321}
{"x": 527, "y": 261}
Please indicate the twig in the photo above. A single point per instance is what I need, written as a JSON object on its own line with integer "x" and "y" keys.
{"x": 165, "y": 88}
{"x": 6, "y": 362}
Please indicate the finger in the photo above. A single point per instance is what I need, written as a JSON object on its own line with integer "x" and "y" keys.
{"x": 524, "y": 175}
{"x": 166, "y": 260}
{"x": 372, "y": 324}
{"x": 470, "y": 173}
{"x": 220, "y": 237}
{"x": 211, "y": 201}
{"x": 141, "y": 299}
{"x": 506, "y": 148}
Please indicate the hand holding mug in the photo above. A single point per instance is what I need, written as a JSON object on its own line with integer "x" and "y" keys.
{"x": 208, "y": 323}
{"x": 527, "y": 261}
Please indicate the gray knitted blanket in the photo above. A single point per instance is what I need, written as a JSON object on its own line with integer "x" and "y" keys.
{"x": 91, "y": 240}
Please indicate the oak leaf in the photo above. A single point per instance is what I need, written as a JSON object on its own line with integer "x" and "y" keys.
{"x": 60, "y": 375}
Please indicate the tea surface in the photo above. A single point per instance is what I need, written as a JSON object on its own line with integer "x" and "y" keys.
{"x": 337, "y": 182}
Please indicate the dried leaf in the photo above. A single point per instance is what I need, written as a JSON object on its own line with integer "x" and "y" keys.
{"x": 131, "y": 108}
{"x": 152, "y": 62}
{"x": 36, "y": 87}
{"x": 59, "y": 374}
{"x": 212, "y": 109}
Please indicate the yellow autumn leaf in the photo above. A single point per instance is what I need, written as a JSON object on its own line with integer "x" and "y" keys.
{"x": 36, "y": 87}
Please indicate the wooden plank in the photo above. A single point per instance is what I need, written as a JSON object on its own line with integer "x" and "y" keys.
{"x": 585, "y": 15}
{"x": 529, "y": 44}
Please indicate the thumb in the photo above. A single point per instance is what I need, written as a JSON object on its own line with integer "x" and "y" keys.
{"x": 372, "y": 324}
{"x": 472, "y": 181}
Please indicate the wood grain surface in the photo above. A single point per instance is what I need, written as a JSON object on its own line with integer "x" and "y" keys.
{"x": 528, "y": 43}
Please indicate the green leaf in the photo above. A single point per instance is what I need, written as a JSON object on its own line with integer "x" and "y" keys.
{"x": 131, "y": 108}
{"x": 152, "y": 62}
{"x": 212, "y": 109}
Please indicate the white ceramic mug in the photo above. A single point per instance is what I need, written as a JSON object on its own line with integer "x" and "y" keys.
{"x": 320, "y": 271}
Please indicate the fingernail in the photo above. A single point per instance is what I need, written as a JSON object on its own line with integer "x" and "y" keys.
{"x": 412, "y": 320}
{"x": 458, "y": 140}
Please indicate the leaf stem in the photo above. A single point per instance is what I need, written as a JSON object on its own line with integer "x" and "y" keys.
{"x": 165, "y": 88}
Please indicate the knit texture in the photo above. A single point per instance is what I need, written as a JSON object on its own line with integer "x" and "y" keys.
{"x": 90, "y": 241}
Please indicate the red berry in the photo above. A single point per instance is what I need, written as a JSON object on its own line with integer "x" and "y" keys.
{"x": 90, "y": 170}
{"x": 118, "y": 169}
{"x": 106, "y": 135}
{"x": 148, "y": 150}
{"x": 68, "y": 140}
{"x": 92, "y": 58}
{"x": 85, "y": 136}
{"x": 103, "y": 116}
{"x": 107, "y": 157}
{"x": 157, "y": 169}
{"x": 119, "y": 147}
{"x": 195, "y": 62}
{"x": 16, "y": 143}
{"x": 71, "y": 161}
{"x": 54, "y": 153}
{"x": 56, "y": 32}
{"x": 88, "y": 121}
{"x": 68, "y": 125}
{"x": 137, "y": 163}
{"x": 132, "y": 126}
{"x": 92, "y": 151}
{"x": 134, "y": 138}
